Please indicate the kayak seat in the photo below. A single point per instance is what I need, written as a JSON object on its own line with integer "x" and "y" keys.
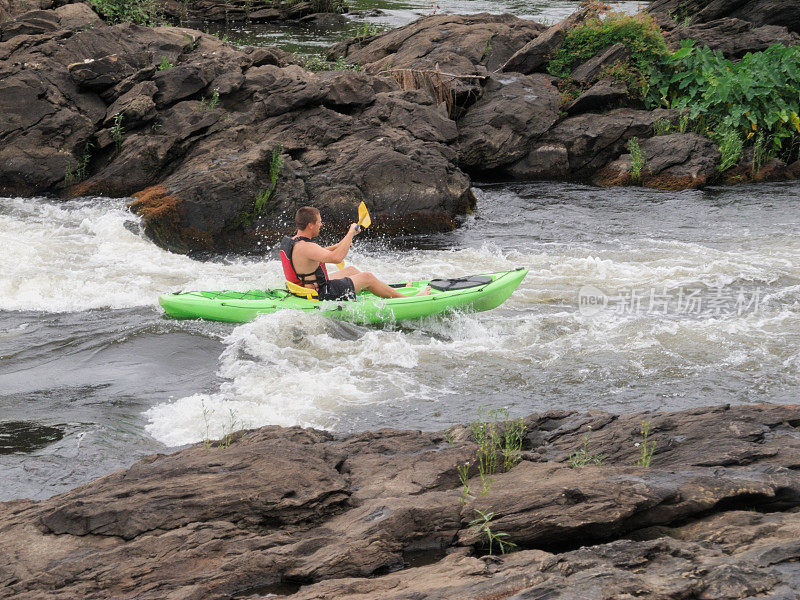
{"x": 301, "y": 292}
{"x": 459, "y": 283}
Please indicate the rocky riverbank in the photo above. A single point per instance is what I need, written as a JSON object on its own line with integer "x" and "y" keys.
{"x": 388, "y": 514}
{"x": 220, "y": 144}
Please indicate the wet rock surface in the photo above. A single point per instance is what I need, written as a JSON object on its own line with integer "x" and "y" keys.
{"x": 715, "y": 515}
{"x": 675, "y": 161}
{"x": 784, "y": 13}
{"x": 196, "y": 129}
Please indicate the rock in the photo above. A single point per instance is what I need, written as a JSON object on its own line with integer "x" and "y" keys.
{"x": 459, "y": 45}
{"x": 545, "y": 161}
{"x": 606, "y": 93}
{"x": 592, "y": 68}
{"x": 200, "y": 123}
{"x": 784, "y": 13}
{"x": 592, "y": 140}
{"x": 72, "y": 17}
{"x": 77, "y": 16}
{"x": 227, "y": 11}
{"x": 136, "y": 106}
{"x": 339, "y": 514}
{"x": 673, "y": 162}
{"x": 514, "y": 111}
{"x": 534, "y": 55}
{"x": 733, "y": 37}
{"x": 773, "y": 169}
{"x": 102, "y": 73}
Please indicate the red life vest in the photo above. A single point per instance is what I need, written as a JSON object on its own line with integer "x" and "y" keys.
{"x": 291, "y": 274}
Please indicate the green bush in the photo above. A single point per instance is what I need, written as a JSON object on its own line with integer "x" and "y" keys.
{"x": 142, "y": 12}
{"x": 757, "y": 95}
{"x": 639, "y": 33}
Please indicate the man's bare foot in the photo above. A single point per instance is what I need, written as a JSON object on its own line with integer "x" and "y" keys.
{"x": 425, "y": 292}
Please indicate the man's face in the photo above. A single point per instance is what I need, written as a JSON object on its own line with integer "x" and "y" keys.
{"x": 317, "y": 225}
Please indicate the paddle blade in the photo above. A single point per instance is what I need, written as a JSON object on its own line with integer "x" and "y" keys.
{"x": 363, "y": 216}
{"x": 340, "y": 265}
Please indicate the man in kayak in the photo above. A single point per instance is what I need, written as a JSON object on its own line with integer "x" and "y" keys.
{"x": 304, "y": 262}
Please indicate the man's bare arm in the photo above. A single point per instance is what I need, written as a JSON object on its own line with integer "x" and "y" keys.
{"x": 327, "y": 255}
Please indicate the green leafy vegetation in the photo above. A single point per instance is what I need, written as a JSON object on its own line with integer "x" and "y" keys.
{"x": 210, "y": 103}
{"x": 583, "y": 457}
{"x": 329, "y": 6}
{"x": 661, "y": 127}
{"x": 117, "y": 132}
{"x": 142, "y": 12}
{"x": 637, "y": 160}
{"x": 482, "y": 527}
{"x": 496, "y": 449}
{"x": 164, "y": 64}
{"x": 640, "y": 34}
{"x": 317, "y": 63}
{"x": 646, "y": 448}
{"x": 757, "y": 95}
{"x": 730, "y": 144}
{"x": 78, "y": 173}
{"x": 275, "y": 166}
{"x": 367, "y": 30}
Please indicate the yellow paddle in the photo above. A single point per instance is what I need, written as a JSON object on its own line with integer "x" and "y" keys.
{"x": 364, "y": 221}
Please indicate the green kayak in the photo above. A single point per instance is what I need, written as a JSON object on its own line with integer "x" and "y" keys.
{"x": 473, "y": 293}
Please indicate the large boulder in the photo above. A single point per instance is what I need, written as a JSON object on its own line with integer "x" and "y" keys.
{"x": 514, "y": 111}
{"x": 443, "y": 53}
{"x": 534, "y": 55}
{"x": 733, "y": 37}
{"x": 345, "y": 515}
{"x": 198, "y": 130}
{"x": 71, "y": 17}
{"x": 578, "y": 146}
{"x": 676, "y": 161}
{"x": 784, "y": 13}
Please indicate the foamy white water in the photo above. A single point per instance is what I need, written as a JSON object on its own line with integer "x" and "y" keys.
{"x": 91, "y": 253}
{"x": 535, "y": 352}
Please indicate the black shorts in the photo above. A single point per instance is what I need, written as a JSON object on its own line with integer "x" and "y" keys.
{"x": 337, "y": 289}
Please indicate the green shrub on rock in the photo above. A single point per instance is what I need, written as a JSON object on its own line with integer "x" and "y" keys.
{"x": 640, "y": 34}
{"x": 142, "y": 12}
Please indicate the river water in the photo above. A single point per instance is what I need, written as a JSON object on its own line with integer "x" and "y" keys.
{"x": 698, "y": 303}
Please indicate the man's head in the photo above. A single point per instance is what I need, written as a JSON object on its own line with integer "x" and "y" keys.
{"x": 308, "y": 219}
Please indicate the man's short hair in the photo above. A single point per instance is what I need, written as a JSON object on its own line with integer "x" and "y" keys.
{"x": 305, "y": 216}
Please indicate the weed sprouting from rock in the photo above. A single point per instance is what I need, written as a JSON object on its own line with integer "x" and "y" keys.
{"x": 317, "y": 63}
{"x": 637, "y": 160}
{"x": 646, "y": 448}
{"x": 210, "y": 103}
{"x": 730, "y": 145}
{"x": 117, "y": 131}
{"x": 661, "y": 127}
{"x": 481, "y": 526}
{"x": 583, "y": 457}
{"x": 82, "y": 170}
{"x": 495, "y": 449}
{"x": 164, "y": 64}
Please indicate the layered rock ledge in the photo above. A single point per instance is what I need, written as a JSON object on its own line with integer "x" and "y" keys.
{"x": 715, "y": 515}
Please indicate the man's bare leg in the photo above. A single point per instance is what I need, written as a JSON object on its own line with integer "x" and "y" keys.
{"x": 368, "y": 281}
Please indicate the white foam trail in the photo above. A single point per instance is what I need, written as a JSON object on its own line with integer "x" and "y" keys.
{"x": 85, "y": 254}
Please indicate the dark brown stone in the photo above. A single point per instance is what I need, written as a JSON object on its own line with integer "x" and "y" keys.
{"x": 606, "y": 93}
{"x": 675, "y": 161}
{"x": 534, "y": 55}
{"x": 514, "y": 112}
{"x": 339, "y": 514}
{"x": 592, "y": 68}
